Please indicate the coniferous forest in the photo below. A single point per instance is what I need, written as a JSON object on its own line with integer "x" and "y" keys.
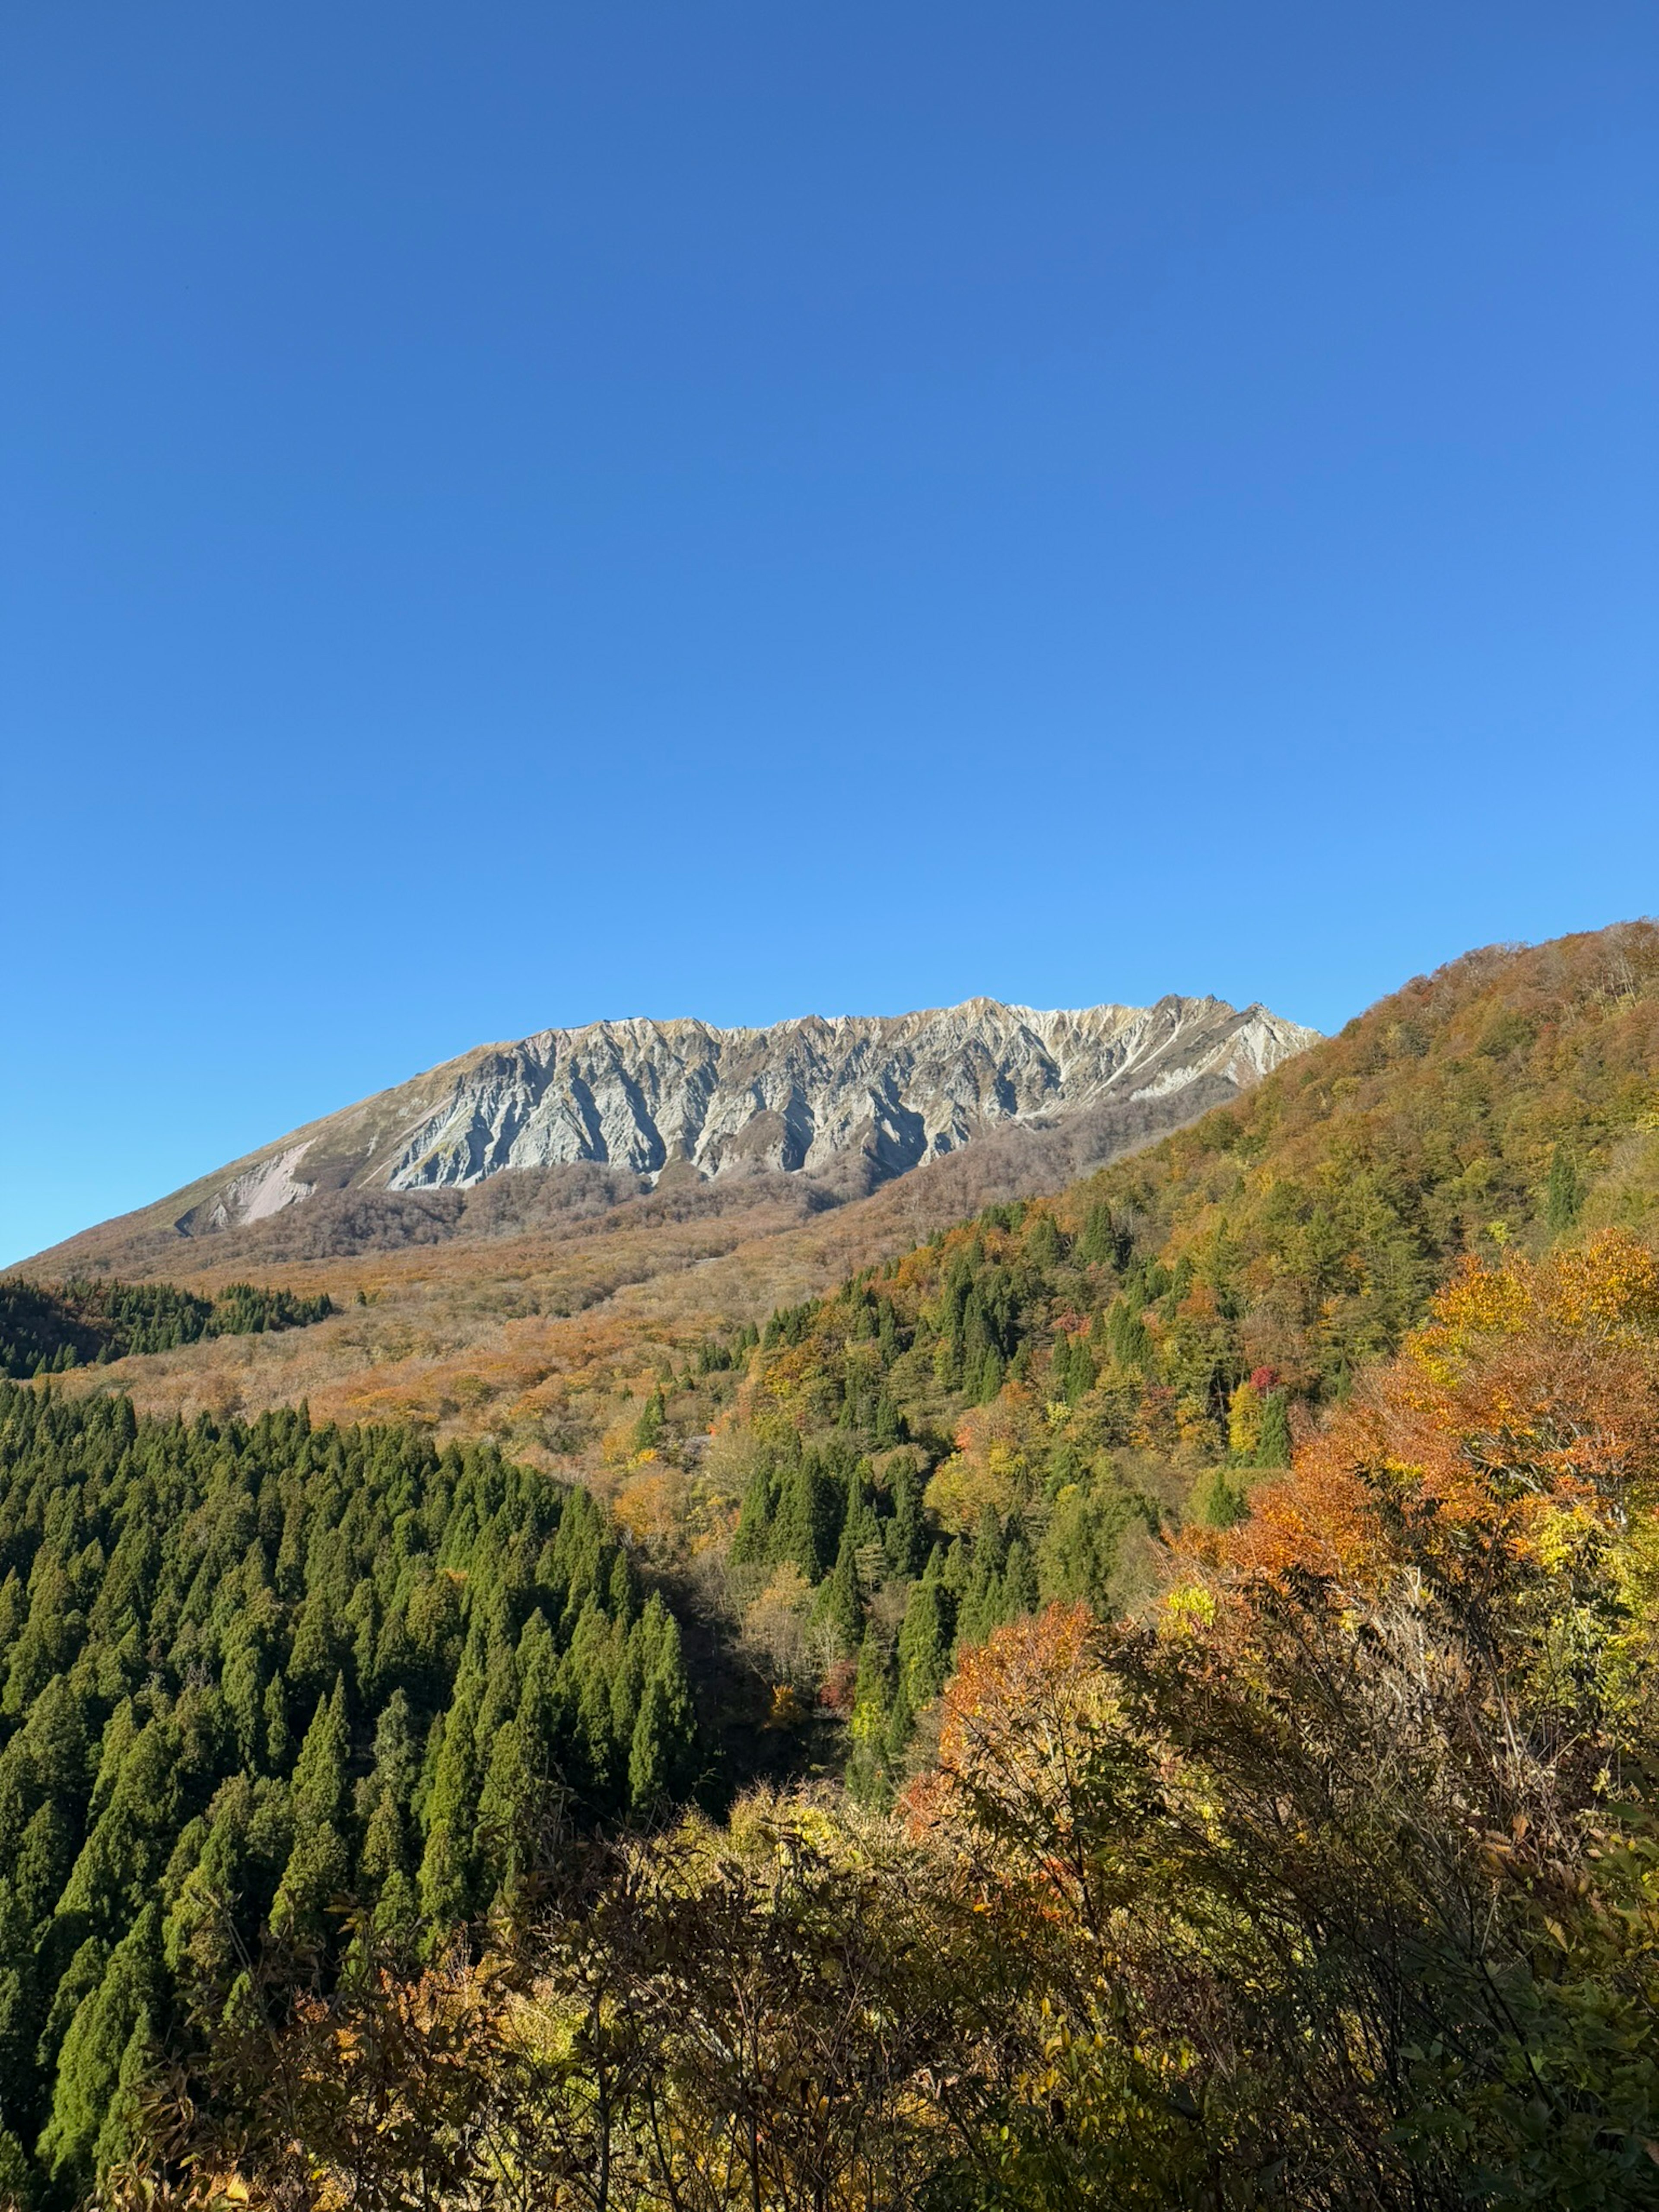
{"x": 250, "y": 1672}
{"x": 46, "y": 1328}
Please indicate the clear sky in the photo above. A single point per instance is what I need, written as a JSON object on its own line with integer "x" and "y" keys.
{"x": 523, "y": 513}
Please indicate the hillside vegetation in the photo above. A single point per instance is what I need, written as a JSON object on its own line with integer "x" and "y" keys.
{"x": 1331, "y": 1882}
{"x": 559, "y": 1297}
{"x": 1019, "y": 1409}
{"x": 45, "y": 1328}
{"x": 1503, "y": 1100}
{"x": 247, "y": 1672}
{"x": 1226, "y": 1591}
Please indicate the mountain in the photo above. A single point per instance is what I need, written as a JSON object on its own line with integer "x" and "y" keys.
{"x": 849, "y": 1103}
{"x": 1019, "y": 1408}
{"x": 919, "y": 1523}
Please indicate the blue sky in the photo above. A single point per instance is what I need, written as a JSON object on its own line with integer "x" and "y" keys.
{"x": 528, "y": 512}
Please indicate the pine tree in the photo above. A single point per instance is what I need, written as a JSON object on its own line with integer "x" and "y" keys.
{"x": 396, "y": 1765}
{"x": 1019, "y": 1581}
{"x": 751, "y": 1541}
{"x": 674, "y": 1721}
{"x": 97, "y": 2043}
{"x": 1097, "y": 1243}
{"x": 900, "y": 1722}
{"x": 867, "y": 1726}
{"x": 450, "y": 1786}
{"x": 317, "y": 1788}
{"x": 992, "y": 1374}
{"x": 16, "y": 2176}
{"x": 906, "y": 1538}
{"x": 276, "y": 1719}
{"x": 319, "y": 1868}
{"x": 838, "y": 1605}
{"x": 1563, "y": 1194}
{"x": 385, "y": 1799}
{"x": 980, "y": 1610}
{"x": 808, "y": 1526}
{"x": 648, "y": 1430}
{"x": 888, "y": 1424}
{"x": 924, "y": 1644}
{"x": 318, "y": 1873}
{"x": 508, "y": 1805}
{"x": 1274, "y": 1445}
{"x": 1127, "y": 1338}
{"x": 649, "y": 1752}
{"x": 1043, "y": 1247}
{"x": 1218, "y": 1502}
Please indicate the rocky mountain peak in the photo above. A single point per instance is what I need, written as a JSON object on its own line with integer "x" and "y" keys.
{"x": 846, "y": 1101}
{"x": 797, "y": 1097}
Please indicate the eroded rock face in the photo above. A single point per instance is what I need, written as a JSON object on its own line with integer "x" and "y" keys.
{"x": 808, "y": 1097}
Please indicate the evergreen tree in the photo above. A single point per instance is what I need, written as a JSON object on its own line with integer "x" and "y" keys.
{"x": 751, "y": 1542}
{"x": 871, "y": 1699}
{"x": 650, "y": 1753}
{"x": 1100, "y": 1243}
{"x": 648, "y": 1430}
{"x": 1563, "y": 1194}
{"x": 900, "y": 1725}
{"x": 1019, "y": 1581}
{"x": 168, "y": 1595}
{"x": 16, "y": 2178}
{"x": 1218, "y": 1502}
{"x": 98, "y": 2047}
{"x": 1274, "y": 1445}
{"x": 1044, "y": 1246}
{"x": 906, "y": 1538}
{"x": 319, "y": 1868}
{"x": 982, "y": 1606}
{"x": 320, "y": 1772}
{"x": 1078, "y": 1554}
{"x": 808, "y": 1526}
{"x": 508, "y": 1807}
{"x": 925, "y": 1640}
{"x": 838, "y": 1605}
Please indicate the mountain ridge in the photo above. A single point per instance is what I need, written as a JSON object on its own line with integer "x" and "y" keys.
{"x": 848, "y": 1101}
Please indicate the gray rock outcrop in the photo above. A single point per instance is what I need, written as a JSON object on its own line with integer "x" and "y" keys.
{"x": 848, "y": 1098}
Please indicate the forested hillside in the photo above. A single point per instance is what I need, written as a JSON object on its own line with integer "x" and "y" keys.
{"x": 523, "y": 1307}
{"x": 1015, "y": 1412}
{"x": 1330, "y": 1881}
{"x": 1505, "y": 1101}
{"x": 247, "y": 1673}
{"x": 45, "y": 1328}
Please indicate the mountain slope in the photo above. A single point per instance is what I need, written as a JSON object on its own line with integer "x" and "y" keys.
{"x": 602, "y": 1111}
{"x": 1011, "y": 1412}
{"x": 1273, "y": 1248}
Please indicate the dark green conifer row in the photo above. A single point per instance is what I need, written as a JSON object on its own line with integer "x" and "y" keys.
{"x": 45, "y": 1328}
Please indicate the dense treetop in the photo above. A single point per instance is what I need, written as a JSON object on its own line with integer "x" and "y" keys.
{"x": 246, "y": 1672}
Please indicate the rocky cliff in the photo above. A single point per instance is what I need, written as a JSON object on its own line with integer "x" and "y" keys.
{"x": 850, "y": 1102}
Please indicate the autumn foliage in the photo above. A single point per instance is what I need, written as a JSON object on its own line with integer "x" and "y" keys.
{"x": 1341, "y": 1866}
{"x": 1522, "y": 1427}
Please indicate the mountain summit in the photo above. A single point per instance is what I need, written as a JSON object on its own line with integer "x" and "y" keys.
{"x": 849, "y": 1102}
